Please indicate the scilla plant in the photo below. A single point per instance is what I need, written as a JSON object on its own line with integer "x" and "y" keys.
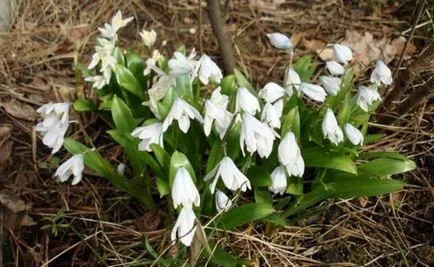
{"x": 200, "y": 140}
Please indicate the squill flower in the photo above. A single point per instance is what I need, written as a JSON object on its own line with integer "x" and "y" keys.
{"x": 257, "y": 136}
{"x": 148, "y": 37}
{"x": 272, "y": 92}
{"x": 209, "y": 70}
{"x": 232, "y": 177}
{"x": 331, "y": 84}
{"x": 246, "y": 101}
{"x": 280, "y": 41}
{"x": 151, "y": 134}
{"x": 313, "y": 91}
{"x": 366, "y": 96}
{"x": 184, "y": 228}
{"x": 353, "y": 134}
{"x": 278, "y": 181}
{"x": 180, "y": 65}
{"x": 335, "y": 68}
{"x": 183, "y": 190}
{"x": 222, "y": 202}
{"x": 292, "y": 81}
{"x": 330, "y": 128}
{"x": 98, "y": 81}
{"x": 121, "y": 168}
{"x": 289, "y": 155}
{"x": 215, "y": 112}
{"x": 271, "y": 114}
{"x": 381, "y": 74}
{"x": 182, "y": 112}
{"x": 151, "y": 63}
{"x": 109, "y": 31}
{"x": 73, "y": 166}
{"x": 342, "y": 53}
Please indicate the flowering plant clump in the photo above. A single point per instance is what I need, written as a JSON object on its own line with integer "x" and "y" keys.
{"x": 201, "y": 139}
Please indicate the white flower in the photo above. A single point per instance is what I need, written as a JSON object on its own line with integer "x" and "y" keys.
{"x": 98, "y": 81}
{"x": 121, "y": 168}
{"x": 278, "y": 181}
{"x": 331, "y": 84}
{"x": 184, "y": 228}
{"x": 222, "y": 202}
{"x": 118, "y": 22}
{"x": 73, "y": 166}
{"x": 182, "y": 112}
{"x": 103, "y": 54}
{"x": 257, "y": 136}
{"x": 353, "y": 134}
{"x": 232, "y": 177}
{"x": 366, "y": 96}
{"x": 330, "y": 128}
{"x": 55, "y": 124}
{"x": 280, "y": 41}
{"x": 183, "y": 189}
{"x": 246, "y": 101}
{"x": 180, "y": 65}
{"x": 209, "y": 70}
{"x": 215, "y": 110}
{"x": 108, "y": 32}
{"x": 272, "y": 92}
{"x": 150, "y": 62}
{"x": 342, "y": 53}
{"x": 335, "y": 68}
{"x": 271, "y": 114}
{"x": 148, "y": 37}
{"x": 292, "y": 81}
{"x": 313, "y": 91}
{"x": 289, "y": 155}
{"x": 151, "y": 134}
{"x": 381, "y": 74}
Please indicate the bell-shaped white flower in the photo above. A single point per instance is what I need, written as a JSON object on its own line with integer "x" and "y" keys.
{"x": 148, "y": 37}
{"x": 353, "y": 134}
{"x": 180, "y": 65}
{"x": 222, "y": 202}
{"x": 335, "y": 68}
{"x": 232, "y": 177}
{"x": 257, "y": 136}
{"x": 343, "y": 54}
{"x": 119, "y": 22}
{"x": 151, "y": 63}
{"x": 182, "y": 112}
{"x": 109, "y": 31}
{"x": 292, "y": 81}
{"x": 381, "y": 74}
{"x": 331, "y": 84}
{"x": 103, "y": 55}
{"x": 271, "y": 114}
{"x": 272, "y": 92}
{"x": 246, "y": 101}
{"x": 215, "y": 111}
{"x": 331, "y": 129}
{"x": 209, "y": 70}
{"x": 151, "y": 134}
{"x": 183, "y": 190}
{"x": 73, "y": 166}
{"x": 313, "y": 91}
{"x": 280, "y": 41}
{"x": 366, "y": 96}
{"x": 289, "y": 155}
{"x": 98, "y": 81}
{"x": 121, "y": 168}
{"x": 279, "y": 182}
{"x": 184, "y": 227}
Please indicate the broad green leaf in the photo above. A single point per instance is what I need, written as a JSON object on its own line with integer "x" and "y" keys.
{"x": 135, "y": 64}
{"x": 243, "y": 82}
{"x": 127, "y": 81}
{"x": 305, "y": 68}
{"x": 354, "y": 187}
{"x": 318, "y": 157}
{"x": 161, "y": 155}
{"x": 345, "y": 110}
{"x": 228, "y": 85}
{"x": 162, "y": 186}
{"x": 117, "y": 54}
{"x": 222, "y": 258}
{"x": 346, "y": 85}
{"x": 291, "y": 122}
{"x": 122, "y": 116}
{"x": 259, "y": 176}
{"x": 263, "y": 197}
{"x": 179, "y": 160}
{"x": 295, "y": 186}
{"x": 383, "y": 167}
{"x": 84, "y": 105}
{"x": 213, "y": 156}
{"x": 318, "y": 194}
{"x": 245, "y": 214}
{"x": 382, "y": 154}
{"x": 184, "y": 87}
{"x": 372, "y": 138}
{"x": 276, "y": 219}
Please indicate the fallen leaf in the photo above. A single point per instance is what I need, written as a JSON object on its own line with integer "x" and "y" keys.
{"x": 319, "y": 47}
{"x": 20, "y": 110}
{"x": 6, "y": 151}
{"x": 399, "y": 43}
{"x": 14, "y": 211}
{"x": 5, "y": 133}
{"x": 149, "y": 221}
{"x": 14, "y": 203}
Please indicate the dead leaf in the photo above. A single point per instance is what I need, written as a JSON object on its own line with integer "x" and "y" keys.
{"x": 20, "y": 110}
{"x": 14, "y": 203}
{"x": 399, "y": 43}
{"x": 5, "y": 133}
{"x": 14, "y": 211}
{"x": 319, "y": 47}
{"x": 149, "y": 221}
{"x": 6, "y": 151}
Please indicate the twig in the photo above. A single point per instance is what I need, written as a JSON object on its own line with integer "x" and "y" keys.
{"x": 223, "y": 40}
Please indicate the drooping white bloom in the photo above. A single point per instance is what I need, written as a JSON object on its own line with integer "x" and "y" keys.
{"x": 73, "y": 166}
{"x": 278, "y": 181}
{"x": 313, "y": 91}
{"x": 151, "y": 63}
{"x": 292, "y": 81}
{"x": 121, "y": 168}
{"x": 272, "y": 92}
{"x": 271, "y": 114}
{"x": 246, "y": 101}
{"x": 209, "y": 70}
{"x": 257, "y": 136}
{"x": 103, "y": 53}
{"x": 180, "y": 65}
{"x": 331, "y": 129}
{"x": 289, "y": 155}
{"x": 109, "y": 31}
{"x": 342, "y": 53}
{"x": 335, "y": 68}
{"x": 182, "y": 112}
{"x": 366, "y": 96}
{"x": 148, "y": 37}
{"x": 151, "y": 134}
{"x": 184, "y": 227}
{"x": 353, "y": 134}
{"x": 280, "y": 41}
{"x": 381, "y": 74}
{"x": 222, "y": 202}
{"x": 232, "y": 177}
{"x": 215, "y": 111}
{"x": 98, "y": 81}
{"x": 331, "y": 84}
{"x": 55, "y": 124}
{"x": 183, "y": 190}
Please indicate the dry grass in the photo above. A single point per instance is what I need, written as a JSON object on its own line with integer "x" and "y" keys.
{"x": 106, "y": 228}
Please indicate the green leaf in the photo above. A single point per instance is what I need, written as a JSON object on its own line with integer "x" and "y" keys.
{"x": 117, "y": 54}
{"x": 179, "y": 160}
{"x": 318, "y": 194}
{"x": 354, "y": 187}
{"x": 291, "y": 122}
{"x": 347, "y": 83}
{"x": 84, "y": 105}
{"x": 345, "y": 110}
{"x": 162, "y": 186}
{"x": 319, "y": 157}
{"x": 213, "y": 156}
{"x": 305, "y": 68}
{"x": 259, "y": 176}
{"x": 372, "y": 138}
{"x": 295, "y": 186}
{"x": 161, "y": 155}
{"x": 184, "y": 87}
{"x": 276, "y": 219}
{"x": 222, "y": 258}
{"x": 382, "y": 154}
{"x": 245, "y": 214}
{"x": 122, "y": 116}
{"x": 243, "y": 82}
{"x": 135, "y": 64}
{"x": 263, "y": 197}
{"x": 127, "y": 81}
{"x": 228, "y": 85}
{"x": 383, "y": 167}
